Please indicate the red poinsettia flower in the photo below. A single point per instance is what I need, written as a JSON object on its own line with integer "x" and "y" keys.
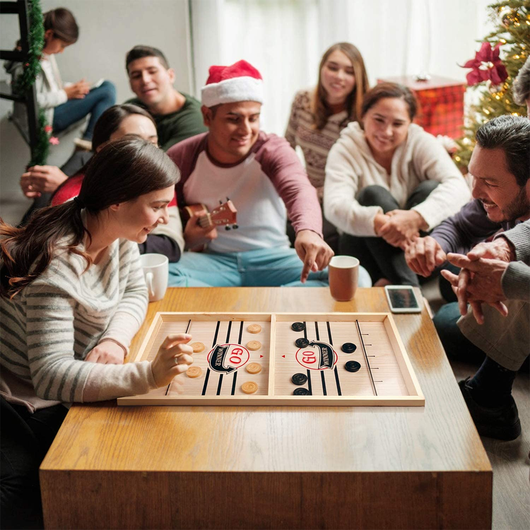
{"x": 54, "y": 140}
{"x": 48, "y": 129}
{"x": 486, "y": 66}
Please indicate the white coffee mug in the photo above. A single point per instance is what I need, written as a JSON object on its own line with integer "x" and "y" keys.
{"x": 156, "y": 271}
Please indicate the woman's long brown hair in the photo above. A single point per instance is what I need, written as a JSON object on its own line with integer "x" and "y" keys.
{"x": 121, "y": 171}
{"x": 321, "y": 109}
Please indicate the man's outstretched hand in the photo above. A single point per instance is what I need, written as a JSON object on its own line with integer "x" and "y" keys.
{"x": 423, "y": 255}
{"x": 313, "y": 251}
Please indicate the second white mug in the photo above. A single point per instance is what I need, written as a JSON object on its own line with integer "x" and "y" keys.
{"x": 156, "y": 270}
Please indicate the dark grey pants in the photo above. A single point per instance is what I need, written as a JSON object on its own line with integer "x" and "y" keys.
{"x": 24, "y": 441}
{"x": 379, "y": 258}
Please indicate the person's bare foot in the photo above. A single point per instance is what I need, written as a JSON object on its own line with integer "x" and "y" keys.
{"x": 382, "y": 282}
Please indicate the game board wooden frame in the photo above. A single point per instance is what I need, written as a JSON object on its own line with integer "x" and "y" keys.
{"x": 395, "y": 361}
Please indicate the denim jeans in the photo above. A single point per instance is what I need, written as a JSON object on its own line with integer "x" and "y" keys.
{"x": 456, "y": 345}
{"x": 269, "y": 267}
{"x": 95, "y": 103}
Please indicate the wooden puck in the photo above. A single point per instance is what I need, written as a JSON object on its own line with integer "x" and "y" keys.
{"x": 197, "y": 347}
{"x": 253, "y": 368}
{"x": 254, "y": 345}
{"x": 194, "y": 371}
{"x": 249, "y": 387}
{"x": 254, "y": 328}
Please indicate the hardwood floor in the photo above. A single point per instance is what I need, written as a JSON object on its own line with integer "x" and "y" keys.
{"x": 509, "y": 460}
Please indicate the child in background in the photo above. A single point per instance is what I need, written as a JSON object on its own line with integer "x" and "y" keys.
{"x": 66, "y": 104}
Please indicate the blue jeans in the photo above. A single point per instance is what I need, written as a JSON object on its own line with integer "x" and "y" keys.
{"x": 95, "y": 103}
{"x": 269, "y": 267}
{"x": 456, "y": 345}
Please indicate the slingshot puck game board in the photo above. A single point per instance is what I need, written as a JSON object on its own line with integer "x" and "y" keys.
{"x": 338, "y": 359}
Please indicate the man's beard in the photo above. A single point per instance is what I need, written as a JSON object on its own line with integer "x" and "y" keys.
{"x": 519, "y": 207}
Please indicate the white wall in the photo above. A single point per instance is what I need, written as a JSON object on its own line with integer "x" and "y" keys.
{"x": 285, "y": 40}
{"x": 108, "y": 29}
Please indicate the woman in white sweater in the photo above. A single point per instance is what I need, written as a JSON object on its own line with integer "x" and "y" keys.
{"x": 387, "y": 180}
{"x": 72, "y": 297}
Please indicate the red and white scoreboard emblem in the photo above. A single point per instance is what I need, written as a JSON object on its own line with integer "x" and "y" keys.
{"x": 226, "y": 358}
{"x": 317, "y": 356}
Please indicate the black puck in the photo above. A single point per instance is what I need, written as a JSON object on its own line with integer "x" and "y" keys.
{"x": 348, "y": 347}
{"x": 301, "y": 343}
{"x": 299, "y": 379}
{"x": 298, "y": 326}
{"x": 301, "y": 392}
{"x": 352, "y": 366}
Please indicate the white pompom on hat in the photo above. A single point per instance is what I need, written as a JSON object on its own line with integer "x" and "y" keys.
{"x": 230, "y": 84}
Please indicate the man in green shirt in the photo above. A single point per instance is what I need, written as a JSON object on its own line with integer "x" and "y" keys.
{"x": 177, "y": 115}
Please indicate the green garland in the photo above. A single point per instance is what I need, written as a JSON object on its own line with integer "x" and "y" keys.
{"x": 39, "y": 153}
{"x": 32, "y": 67}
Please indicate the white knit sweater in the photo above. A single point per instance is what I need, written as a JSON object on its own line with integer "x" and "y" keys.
{"x": 54, "y": 323}
{"x": 351, "y": 167}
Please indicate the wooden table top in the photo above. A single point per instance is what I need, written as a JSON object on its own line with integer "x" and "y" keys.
{"x": 438, "y": 437}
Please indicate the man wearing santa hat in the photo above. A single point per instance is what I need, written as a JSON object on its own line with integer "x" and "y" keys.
{"x": 264, "y": 179}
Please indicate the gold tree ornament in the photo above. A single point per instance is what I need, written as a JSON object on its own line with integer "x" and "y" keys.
{"x": 505, "y": 16}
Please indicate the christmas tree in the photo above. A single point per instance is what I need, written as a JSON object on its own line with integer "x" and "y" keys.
{"x": 494, "y": 68}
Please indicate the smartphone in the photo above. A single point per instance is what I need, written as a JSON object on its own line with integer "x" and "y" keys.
{"x": 96, "y": 84}
{"x": 402, "y": 299}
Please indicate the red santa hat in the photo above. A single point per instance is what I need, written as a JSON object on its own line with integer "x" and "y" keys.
{"x": 229, "y": 84}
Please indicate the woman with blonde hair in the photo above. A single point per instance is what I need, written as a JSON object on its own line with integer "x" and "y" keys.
{"x": 319, "y": 115}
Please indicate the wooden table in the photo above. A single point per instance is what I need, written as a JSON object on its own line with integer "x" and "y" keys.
{"x": 275, "y": 467}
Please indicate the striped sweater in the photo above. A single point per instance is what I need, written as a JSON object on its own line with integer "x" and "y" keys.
{"x": 315, "y": 144}
{"x": 53, "y": 324}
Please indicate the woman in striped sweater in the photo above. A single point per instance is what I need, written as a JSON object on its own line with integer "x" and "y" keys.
{"x": 72, "y": 297}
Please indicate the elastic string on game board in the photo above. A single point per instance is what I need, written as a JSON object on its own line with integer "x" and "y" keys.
{"x": 322, "y": 377}
{"x": 187, "y": 331}
{"x": 208, "y": 370}
{"x": 220, "y": 383}
{"x": 309, "y": 387}
{"x": 366, "y": 358}
{"x": 335, "y": 371}
{"x": 234, "y": 380}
